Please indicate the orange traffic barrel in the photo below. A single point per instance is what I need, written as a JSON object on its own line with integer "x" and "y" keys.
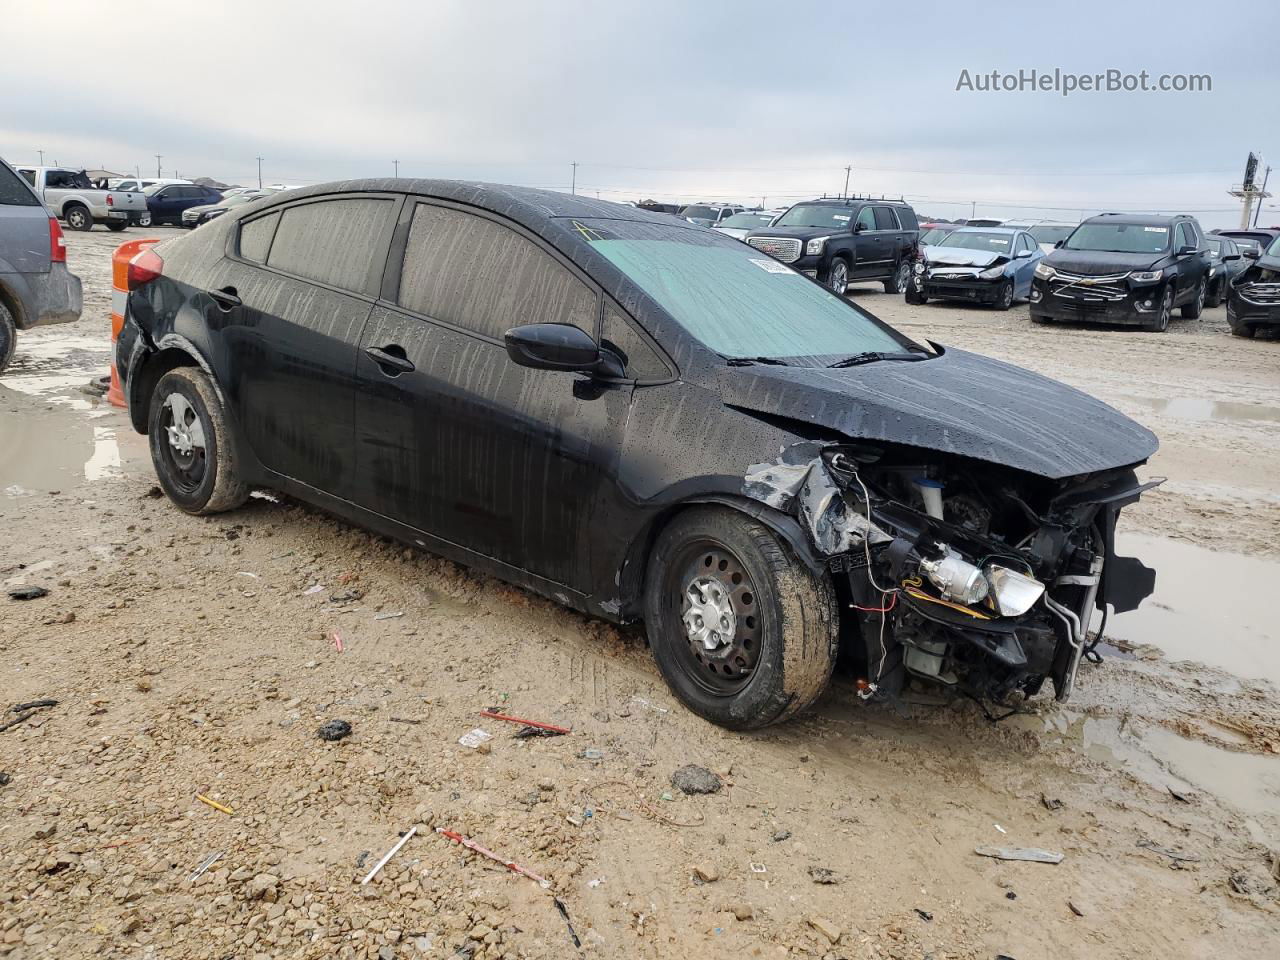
{"x": 119, "y": 295}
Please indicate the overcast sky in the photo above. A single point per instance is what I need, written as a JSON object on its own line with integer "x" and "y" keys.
{"x": 688, "y": 100}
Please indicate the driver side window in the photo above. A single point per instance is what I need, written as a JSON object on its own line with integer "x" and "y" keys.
{"x": 866, "y": 219}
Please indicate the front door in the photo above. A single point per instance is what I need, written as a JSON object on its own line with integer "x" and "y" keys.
{"x": 868, "y": 245}
{"x": 453, "y": 438}
{"x": 304, "y": 278}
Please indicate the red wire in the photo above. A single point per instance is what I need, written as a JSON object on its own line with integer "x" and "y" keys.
{"x": 893, "y": 600}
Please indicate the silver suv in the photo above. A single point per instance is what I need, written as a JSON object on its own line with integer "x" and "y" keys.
{"x": 35, "y": 285}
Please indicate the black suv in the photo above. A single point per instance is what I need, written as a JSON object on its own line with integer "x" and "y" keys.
{"x": 838, "y": 241}
{"x": 1124, "y": 269}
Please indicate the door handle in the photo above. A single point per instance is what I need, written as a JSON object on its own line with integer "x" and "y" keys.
{"x": 226, "y": 298}
{"x": 392, "y": 356}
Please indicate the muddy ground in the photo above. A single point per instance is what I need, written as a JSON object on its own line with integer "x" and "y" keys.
{"x": 196, "y": 657}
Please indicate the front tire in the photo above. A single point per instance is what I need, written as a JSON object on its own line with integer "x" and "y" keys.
{"x": 1161, "y": 321}
{"x": 192, "y": 446}
{"x": 8, "y": 337}
{"x": 78, "y": 217}
{"x": 1004, "y": 296}
{"x": 144, "y": 220}
{"x": 916, "y": 296}
{"x": 838, "y": 277}
{"x": 1192, "y": 310}
{"x": 743, "y": 632}
{"x": 900, "y": 279}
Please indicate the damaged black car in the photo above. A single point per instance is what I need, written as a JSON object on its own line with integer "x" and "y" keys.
{"x": 1253, "y": 296}
{"x": 646, "y": 421}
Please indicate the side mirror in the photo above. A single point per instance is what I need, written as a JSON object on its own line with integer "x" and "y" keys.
{"x": 1022, "y": 255}
{"x": 1057, "y": 244}
{"x": 559, "y": 346}
{"x": 1231, "y": 256}
{"x": 857, "y": 227}
{"x": 1250, "y": 254}
{"x": 1187, "y": 250}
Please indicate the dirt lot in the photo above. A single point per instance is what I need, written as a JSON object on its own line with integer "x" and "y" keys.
{"x": 196, "y": 656}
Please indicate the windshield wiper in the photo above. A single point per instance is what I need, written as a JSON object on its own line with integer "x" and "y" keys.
{"x": 749, "y": 361}
{"x": 860, "y": 358}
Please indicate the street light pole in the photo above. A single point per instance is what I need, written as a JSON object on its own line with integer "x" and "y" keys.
{"x": 41, "y": 152}
{"x": 157, "y": 156}
{"x": 259, "y": 159}
{"x": 573, "y": 186}
{"x": 397, "y": 166}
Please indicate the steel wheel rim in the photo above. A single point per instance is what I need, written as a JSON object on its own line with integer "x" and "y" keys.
{"x": 707, "y": 578}
{"x": 902, "y": 277}
{"x": 184, "y": 442}
{"x": 75, "y": 219}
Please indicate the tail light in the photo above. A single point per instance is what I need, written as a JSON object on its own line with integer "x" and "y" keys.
{"x": 57, "y": 242}
{"x": 144, "y": 268}
{"x": 111, "y": 200}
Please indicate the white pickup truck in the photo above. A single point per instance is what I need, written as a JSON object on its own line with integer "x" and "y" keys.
{"x": 72, "y": 197}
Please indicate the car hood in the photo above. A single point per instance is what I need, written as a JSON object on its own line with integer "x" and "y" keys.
{"x": 1101, "y": 262}
{"x": 959, "y": 257}
{"x": 958, "y": 403}
{"x": 736, "y": 232}
{"x": 799, "y": 233}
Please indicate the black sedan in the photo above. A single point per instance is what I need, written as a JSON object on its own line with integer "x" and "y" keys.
{"x": 193, "y": 217}
{"x": 646, "y": 421}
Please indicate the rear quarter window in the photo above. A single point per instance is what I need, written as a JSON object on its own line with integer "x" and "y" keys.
{"x": 13, "y": 192}
{"x": 908, "y": 218}
{"x": 255, "y": 237}
{"x": 331, "y": 241}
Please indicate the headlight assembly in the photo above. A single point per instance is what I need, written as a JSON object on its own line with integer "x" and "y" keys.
{"x": 919, "y": 268}
{"x": 814, "y": 247}
{"x": 956, "y": 578}
{"x": 1146, "y": 276}
{"x": 992, "y": 273}
{"x": 1044, "y": 271}
{"x": 1012, "y": 593}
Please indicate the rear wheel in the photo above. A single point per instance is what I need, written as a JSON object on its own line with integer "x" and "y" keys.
{"x": 744, "y": 634}
{"x": 78, "y": 217}
{"x": 8, "y": 337}
{"x": 192, "y": 447}
{"x": 838, "y": 276}
{"x": 1192, "y": 310}
{"x": 115, "y": 226}
{"x": 144, "y": 220}
{"x": 901, "y": 277}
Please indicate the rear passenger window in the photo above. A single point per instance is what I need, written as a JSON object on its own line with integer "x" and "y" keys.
{"x": 255, "y": 237}
{"x": 885, "y": 219}
{"x": 331, "y": 241}
{"x": 13, "y": 192}
{"x": 640, "y": 359}
{"x": 481, "y": 276}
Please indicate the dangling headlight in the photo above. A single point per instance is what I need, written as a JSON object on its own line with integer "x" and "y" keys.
{"x": 956, "y": 578}
{"x": 1012, "y": 593}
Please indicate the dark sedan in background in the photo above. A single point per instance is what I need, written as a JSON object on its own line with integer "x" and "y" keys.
{"x": 193, "y": 217}
{"x": 646, "y": 420}
{"x": 167, "y": 201}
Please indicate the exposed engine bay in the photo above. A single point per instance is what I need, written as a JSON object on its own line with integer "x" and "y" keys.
{"x": 977, "y": 577}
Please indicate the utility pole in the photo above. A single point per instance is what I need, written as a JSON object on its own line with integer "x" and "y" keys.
{"x": 396, "y": 164}
{"x": 847, "y": 171}
{"x": 973, "y": 209}
{"x": 259, "y": 159}
{"x": 573, "y": 186}
{"x": 41, "y": 152}
{"x": 157, "y": 156}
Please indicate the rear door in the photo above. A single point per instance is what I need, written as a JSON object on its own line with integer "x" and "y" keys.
{"x": 887, "y": 226}
{"x": 24, "y": 228}
{"x": 306, "y": 277}
{"x": 454, "y": 439}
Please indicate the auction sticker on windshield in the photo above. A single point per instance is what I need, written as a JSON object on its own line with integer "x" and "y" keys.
{"x": 771, "y": 266}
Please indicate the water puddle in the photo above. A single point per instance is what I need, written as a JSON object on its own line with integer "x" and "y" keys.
{"x": 1200, "y": 408}
{"x": 1210, "y": 607}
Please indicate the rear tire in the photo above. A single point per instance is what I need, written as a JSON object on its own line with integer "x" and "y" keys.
{"x": 901, "y": 279}
{"x": 115, "y": 226}
{"x": 193, "y": 448}
{"x": 1192, "y": 310}
{"x": 775, "y": 657}
{"x": 8, "y": 337}
{"x": 78, "y": 217}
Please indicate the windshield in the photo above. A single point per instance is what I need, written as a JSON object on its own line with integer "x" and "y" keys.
{"x": 1214, "y": 244}
{"x": 747, "y": 221}
{"x": 699, "y": 213}
{"x": 737, "y": 301}
{"x": 816, "y": 215}
{"x": 1119, "y": 238}
{"x": 935, "y": 234}
{"x": 993, "y": 242}
{"x": 1047, "y": 234}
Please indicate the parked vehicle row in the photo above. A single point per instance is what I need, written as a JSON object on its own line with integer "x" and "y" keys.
{"x": 35, "y": 285}
{"x": 647, "y": 421}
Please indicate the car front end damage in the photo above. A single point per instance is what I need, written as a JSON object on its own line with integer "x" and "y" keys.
{"x": 969, "y": 575}
{"x": 1254, "y": 297}
{"x": 1122, "y": 297}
